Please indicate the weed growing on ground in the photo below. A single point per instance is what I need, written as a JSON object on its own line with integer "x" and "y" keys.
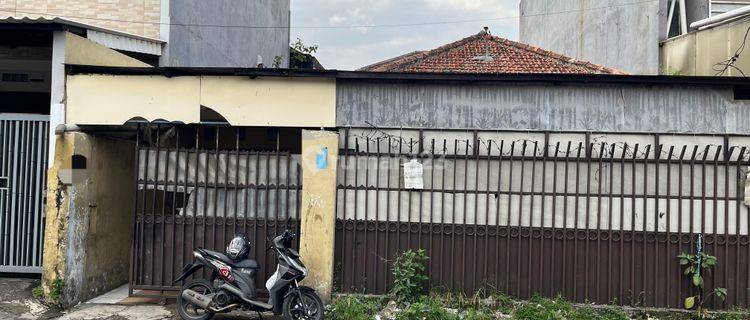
{"x": 409, "y": 275}
{"x": 355, "y": 307}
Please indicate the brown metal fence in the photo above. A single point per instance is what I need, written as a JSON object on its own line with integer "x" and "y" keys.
{"x": 197, "y": 186}
{"x": 591, "y": 218}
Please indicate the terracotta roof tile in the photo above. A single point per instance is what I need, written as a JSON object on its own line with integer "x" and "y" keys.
{"x": 485, "y": 53}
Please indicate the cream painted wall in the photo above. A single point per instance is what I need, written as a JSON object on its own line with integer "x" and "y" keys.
{"x": 697, "y": 52}
{"x": 283, "y": 102}
{"x": 113, "y": 100}
{"x": 79, "y": 50}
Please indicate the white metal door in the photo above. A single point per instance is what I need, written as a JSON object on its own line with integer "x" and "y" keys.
{"x": 23, "y": 176}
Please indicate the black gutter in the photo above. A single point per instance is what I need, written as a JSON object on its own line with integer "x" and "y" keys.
{"x": 420, "y": 77}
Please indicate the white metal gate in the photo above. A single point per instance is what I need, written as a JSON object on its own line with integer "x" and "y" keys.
{"x": 23, "y": 176}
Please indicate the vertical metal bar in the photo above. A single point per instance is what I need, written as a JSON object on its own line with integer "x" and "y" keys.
{"x": 367, "y": 205}
{"x": 134, "y": 245}
{"x": 185, "y": 195}
{"x": 531, "y": 221}
{"x": 431, "y": 157}
{"x": 375, "y": 264}
{"x": 599, "y": 232}
{"x": 657, "y": 157}
{"x": 575, "y": 222}
{"x": 497, "y": 215}
{"x": 553, "y": 215}
{"x": 215, "y": 206}
{"x": 679, "y": 213}
{"x": 564, "y": 274}
{"x": 587, "y": 221}
{"x": 235, "y": 192}
{"x": 141, "y": 254}
{"x": 443, "y": 192}
{"x": 508, "y": 221}
{"x": 520, "y": 217}
{"x": 20, "y": 195}
{"x": 3, "y": 223}
{"x": 453, "y": 217}
{"x": 15, "y": 184}
{"x": 645, "y": 217}
{"x": 27, "y": 198}
{"x": 738, "y": 199}
{"x": 727, "y": 155}
{"x": 398, "y": 197}
{"x": 388, "y": 210}
{"x": 632, "y": 226}
{"x": 476, "y": 208}
{"x": 432, "y": 206}
{"x": 669, "y": 220}
{"x": 621, "y": 280}
{"x": 408, "y": 210}
{"x": 153, "y": 204}
{"x": 465, "y": 193}
{"x": 196, "y": 173}
{"x": 609, "y": 221}
{"x": 356, "y": 207}
{"x": 162, "y": 258}
{"x": 541, "y": 277}
{"x": 343, "y": 215}
{"x": 487, "y": 210}
{"x": 692, "y": 202}
{"x": 714, "y": 221}
{"x": 175, "y": 249}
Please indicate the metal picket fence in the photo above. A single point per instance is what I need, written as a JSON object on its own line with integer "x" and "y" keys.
{"x": 591, "y": 219}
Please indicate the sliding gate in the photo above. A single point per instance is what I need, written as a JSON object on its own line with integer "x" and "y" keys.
{"x": 23, "y": 176}
{"x": 198, "y": 186}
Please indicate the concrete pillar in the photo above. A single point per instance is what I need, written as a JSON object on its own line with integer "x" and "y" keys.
{"x": 89, "y": 208}
{"x": 319, "y": 158}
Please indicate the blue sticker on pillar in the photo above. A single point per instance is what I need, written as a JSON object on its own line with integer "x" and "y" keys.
{"x": 321, "y": 160}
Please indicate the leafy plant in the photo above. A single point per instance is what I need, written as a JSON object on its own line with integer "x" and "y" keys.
{"x": 696, "y": 265}
{"x": 409, "y": 277}
{"x": 55, "y": 291}
{"x": 277, "y": 60}
{"x": 301, "y": 51}
{"x": 38, "y": 292}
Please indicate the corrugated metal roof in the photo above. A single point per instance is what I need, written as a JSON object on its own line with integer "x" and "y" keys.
{"x": 104, "y": 36}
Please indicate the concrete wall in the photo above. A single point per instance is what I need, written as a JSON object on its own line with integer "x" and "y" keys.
{"x": 592, "y": 107}
{"x": 139, "y": 17}
{"x": 194, "y": 41}
{"x": 698, "y": 52}
{"x": 87, "y": 243}
{"x": 613, "y": 33}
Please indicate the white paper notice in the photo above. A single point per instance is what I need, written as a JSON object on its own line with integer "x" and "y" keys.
{"x": 413, "y": 175}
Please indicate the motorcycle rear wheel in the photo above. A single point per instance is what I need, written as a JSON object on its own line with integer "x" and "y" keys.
{"x": 187, "y": 310}
{"x": 310, "y": 307}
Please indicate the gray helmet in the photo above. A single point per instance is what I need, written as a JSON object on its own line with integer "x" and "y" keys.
{"x": 238, "y": 248}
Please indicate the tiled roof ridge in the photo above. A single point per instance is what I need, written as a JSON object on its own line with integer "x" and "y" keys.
{"x": 403, "y": 62}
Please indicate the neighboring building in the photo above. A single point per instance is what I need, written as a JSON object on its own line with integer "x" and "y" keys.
{"x": 641, "y": 37}
{"x": 714, "y": 46}
{"x": 485, "y": 53}
{"x": 618, "y": 34}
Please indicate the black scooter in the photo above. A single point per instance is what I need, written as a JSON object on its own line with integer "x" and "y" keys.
{"x": 233, "y": 286}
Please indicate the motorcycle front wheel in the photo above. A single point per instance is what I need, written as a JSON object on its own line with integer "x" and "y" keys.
{"x": 189, "y": 311}
{"x": 306, "y": 306}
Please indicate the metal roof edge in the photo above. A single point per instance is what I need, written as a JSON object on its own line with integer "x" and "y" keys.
{"x": 420, "y": 77}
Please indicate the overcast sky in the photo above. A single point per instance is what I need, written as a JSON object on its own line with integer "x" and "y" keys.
{"x": 444, "y": 21}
